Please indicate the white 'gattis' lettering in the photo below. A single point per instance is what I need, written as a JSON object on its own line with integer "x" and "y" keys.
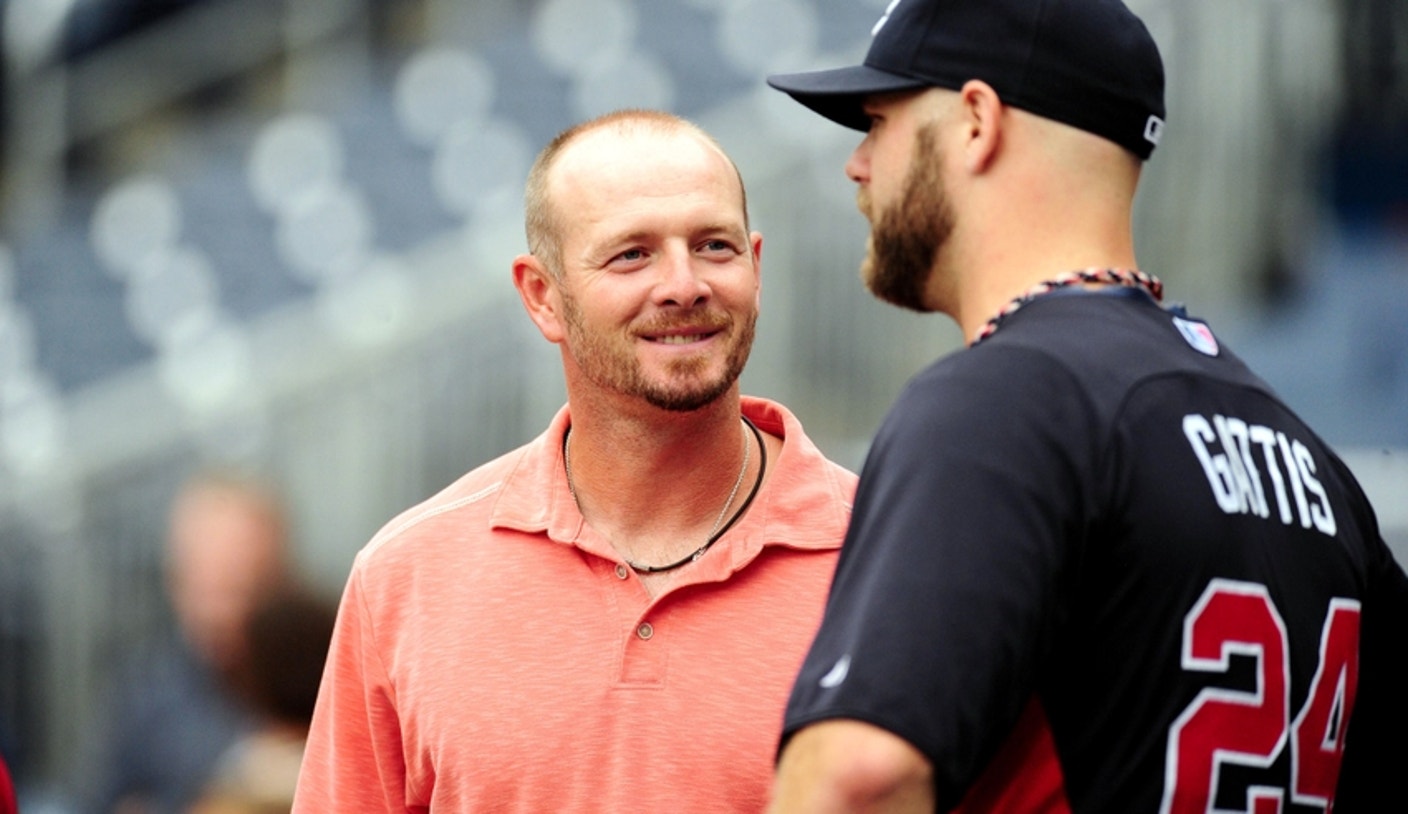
{"x": 1249, "y": 466}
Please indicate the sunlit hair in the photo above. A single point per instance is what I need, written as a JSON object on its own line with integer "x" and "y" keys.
{"x": 540, "y": 220}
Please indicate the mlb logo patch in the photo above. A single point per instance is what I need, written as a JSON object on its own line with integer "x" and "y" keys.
{"x": 1198, "y": 335}
{"x": 1154, "y": 130}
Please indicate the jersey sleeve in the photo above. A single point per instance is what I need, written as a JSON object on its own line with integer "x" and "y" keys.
{"x": 946, "y": 595}
{"x": 353, "y": 760}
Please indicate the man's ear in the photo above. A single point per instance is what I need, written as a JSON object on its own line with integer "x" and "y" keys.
{"x": 537, "y": 288}
{"x": 755, "y": 244}
{"x": 981, "y": 109}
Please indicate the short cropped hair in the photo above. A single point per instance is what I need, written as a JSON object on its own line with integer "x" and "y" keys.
{"x": 544, "y": 229}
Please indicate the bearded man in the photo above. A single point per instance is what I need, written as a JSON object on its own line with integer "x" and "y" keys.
{"x": 1096, "y": 566}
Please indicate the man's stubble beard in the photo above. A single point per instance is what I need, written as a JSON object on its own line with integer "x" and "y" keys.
{"x": 907, "y": 235}
{"x": 617, "y": 368}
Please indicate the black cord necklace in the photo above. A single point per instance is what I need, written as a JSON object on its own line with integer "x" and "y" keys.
{"x": 721, "y": 528}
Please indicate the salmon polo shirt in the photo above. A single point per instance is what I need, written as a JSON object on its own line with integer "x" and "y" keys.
{"x": 494, "y": 653}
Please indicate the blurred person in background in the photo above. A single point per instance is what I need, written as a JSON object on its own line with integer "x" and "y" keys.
{"x": 606, "y": 619}
{"x": 287, "y": 639}
{"x": 180, "y": 705}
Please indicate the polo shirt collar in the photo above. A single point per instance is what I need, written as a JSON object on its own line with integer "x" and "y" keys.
{"x": 802, "y": 505}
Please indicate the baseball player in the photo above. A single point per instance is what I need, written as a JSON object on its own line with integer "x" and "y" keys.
{"x": 1094, "y": 564}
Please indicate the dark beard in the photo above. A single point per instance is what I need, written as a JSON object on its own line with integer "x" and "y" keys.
{"x": 908, "y": 234}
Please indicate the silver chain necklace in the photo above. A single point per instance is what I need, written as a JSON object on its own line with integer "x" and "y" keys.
{"x": 719, "y": 526}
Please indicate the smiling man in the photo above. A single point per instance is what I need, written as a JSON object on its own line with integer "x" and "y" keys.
{"x": 609, "y": 617}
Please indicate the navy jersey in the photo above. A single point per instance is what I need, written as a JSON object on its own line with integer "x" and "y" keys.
{"x": 1101, "y": 525}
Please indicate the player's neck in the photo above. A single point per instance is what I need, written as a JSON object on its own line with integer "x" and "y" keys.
{"x": 1007, "y": 260}
{"x": 1037, "y": 218}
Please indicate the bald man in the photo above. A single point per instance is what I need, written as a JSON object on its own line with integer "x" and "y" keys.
{"x": 607, "y": 618}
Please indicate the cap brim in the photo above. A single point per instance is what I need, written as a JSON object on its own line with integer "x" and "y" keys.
{"x": 838, "y": 93}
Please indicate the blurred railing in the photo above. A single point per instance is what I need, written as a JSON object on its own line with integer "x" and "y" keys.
{"x": 54, "y": 103}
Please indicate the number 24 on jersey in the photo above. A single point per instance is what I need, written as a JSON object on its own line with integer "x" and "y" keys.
{"x": 1223, "y": 726}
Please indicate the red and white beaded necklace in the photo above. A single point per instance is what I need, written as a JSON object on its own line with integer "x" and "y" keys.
{"x": 1132, "y": 278}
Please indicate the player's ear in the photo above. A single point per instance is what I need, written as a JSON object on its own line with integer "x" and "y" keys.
{"x": 538, "y": 289}
{"x": 981, "y": 111}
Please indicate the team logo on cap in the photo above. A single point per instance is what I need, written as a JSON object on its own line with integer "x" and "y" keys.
{"x": 884, "y": 18}
{"x": 1154, "y": 130}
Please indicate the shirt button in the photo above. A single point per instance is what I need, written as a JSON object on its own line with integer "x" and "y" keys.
{"x": 621, "y": 572}
{"x": 645, "y": 631}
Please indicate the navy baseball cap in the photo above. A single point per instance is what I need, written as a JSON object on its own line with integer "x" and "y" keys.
{"x": 1090, "y": 64}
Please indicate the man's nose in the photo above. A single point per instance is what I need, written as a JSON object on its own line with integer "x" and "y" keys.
{"x": 681, "y": 281}
{"x": 858, "y": 165}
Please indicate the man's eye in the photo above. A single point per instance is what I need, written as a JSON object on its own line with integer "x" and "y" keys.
{"x": 631, "y": 255}
{"x": 718, "y": 245}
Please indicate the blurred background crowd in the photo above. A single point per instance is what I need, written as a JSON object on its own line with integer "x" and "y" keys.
{"x": 254, "y": 278}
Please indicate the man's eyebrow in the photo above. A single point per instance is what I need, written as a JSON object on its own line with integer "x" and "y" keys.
{"x": 636, "y": 236}
{"x": 722, "y": 227}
